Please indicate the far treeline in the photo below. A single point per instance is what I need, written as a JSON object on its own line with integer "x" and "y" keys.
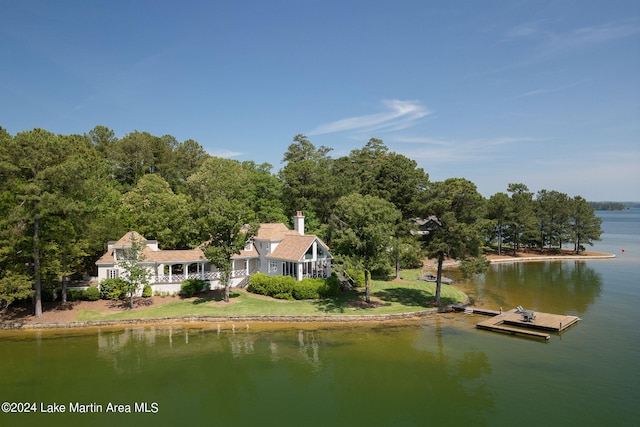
{"x": 612, "y": 206}
{"x": 63, "y": 197}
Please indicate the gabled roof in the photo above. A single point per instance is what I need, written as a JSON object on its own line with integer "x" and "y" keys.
{"x": 253, "y": 253}
{"x": 272, "y": 231}
{"x": 294, "y": 246}
{"x": 167, "y": 256}
{"x": 126, "y": 240}
{"x": 162, "y": 257}
{"x": 107, "y": 258}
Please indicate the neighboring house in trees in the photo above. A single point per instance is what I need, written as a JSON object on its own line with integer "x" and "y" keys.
{"x": 274, "y": 250}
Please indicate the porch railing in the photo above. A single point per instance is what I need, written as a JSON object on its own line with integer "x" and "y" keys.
{"x": 207, "y": 276}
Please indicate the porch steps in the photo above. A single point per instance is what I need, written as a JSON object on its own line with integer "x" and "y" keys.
{"x": 244, "y": 283}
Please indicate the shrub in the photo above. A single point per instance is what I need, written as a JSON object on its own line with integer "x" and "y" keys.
{"x": 113, "y": 289}
{"x": 281, "y": 287}
{"x": 308, "y": 289}
{"x": 147, "y": 291}
{"x": 286, "y": 287}
{"x": 76, "y": 294}
{"x": 357, "y": 276}
{"x": 259, "y": 284}
{"x": 91, "y": 294}
{"x": 411, "y": 257}
{"x": 190, "y": 287}
{"x": 331, "y": 287}
{"x": 48, "y": 293}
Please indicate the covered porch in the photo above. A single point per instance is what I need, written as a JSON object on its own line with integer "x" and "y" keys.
{"x": 305, "y": 269}
{"x": 177, "y": 272}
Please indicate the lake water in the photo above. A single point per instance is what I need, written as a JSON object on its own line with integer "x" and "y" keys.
{"x": 439, "y": 370}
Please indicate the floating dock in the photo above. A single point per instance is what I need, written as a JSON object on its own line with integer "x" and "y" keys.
{"x": 512, "y": 322}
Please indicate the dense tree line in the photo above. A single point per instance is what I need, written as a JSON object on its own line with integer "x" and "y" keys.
{"x": 608, "y": 206}
{"x": 62, "y": 197}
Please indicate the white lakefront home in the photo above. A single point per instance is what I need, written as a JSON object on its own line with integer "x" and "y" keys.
{"x": 274, "y": 250}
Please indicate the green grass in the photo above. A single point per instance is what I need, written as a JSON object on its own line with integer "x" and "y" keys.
{"x": 389, "y": 298}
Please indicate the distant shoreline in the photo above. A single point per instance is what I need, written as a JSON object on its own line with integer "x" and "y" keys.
{"x": 532, "y": 257}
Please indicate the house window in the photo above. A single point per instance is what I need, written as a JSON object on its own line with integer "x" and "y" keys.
{"x": 112, "y": 273}
{"x": 273, "y": 266}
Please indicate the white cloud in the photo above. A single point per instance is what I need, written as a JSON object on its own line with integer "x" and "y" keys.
{"x": 399, "y": 115}
{"x": 225, "y": 154}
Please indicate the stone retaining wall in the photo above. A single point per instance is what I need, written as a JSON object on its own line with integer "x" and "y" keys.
{"x": 211, "y": 319}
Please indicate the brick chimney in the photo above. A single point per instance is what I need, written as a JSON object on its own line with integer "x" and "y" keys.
{"x": 298, "y": 222}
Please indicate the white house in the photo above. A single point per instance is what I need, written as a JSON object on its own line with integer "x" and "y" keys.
{"x": 274, "y": 250}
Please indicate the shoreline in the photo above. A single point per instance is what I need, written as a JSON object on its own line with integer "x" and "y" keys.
{"x": 319, "y": 319}
{"x": 587, "y": 255}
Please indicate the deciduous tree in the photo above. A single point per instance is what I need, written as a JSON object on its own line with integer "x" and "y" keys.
{"x": 220, "y": 190}
{"x": 152, "y": 209}
{"x": 364, "y": 228}
{"x": 136, "y": 275}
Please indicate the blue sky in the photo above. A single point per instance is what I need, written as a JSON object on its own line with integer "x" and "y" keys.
{"x": 546, "y": 93}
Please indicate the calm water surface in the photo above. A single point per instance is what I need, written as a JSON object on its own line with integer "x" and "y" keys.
{"x": 440, "y": 370}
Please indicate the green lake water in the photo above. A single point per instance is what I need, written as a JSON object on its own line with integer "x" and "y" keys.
{"x": 436, "y": 371}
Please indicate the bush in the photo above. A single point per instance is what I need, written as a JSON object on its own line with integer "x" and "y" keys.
{"x": 280, "y": 287}
{"x": 76, "y": 294}
{"x": 147, "y": 291}
{"x": 113, "y": 289}
{"x": 357, "y": 276}
{"x": 411, "y": 257}
{"x": 259, "y": 284}
{"x": 91, "y": 294}
{"x": 308, "y": 289}
{"x": 331, "y": 287}
{"x": 47, "y": 293}
{"x": 286, "y": 287}
{"x": 190, "y": 287}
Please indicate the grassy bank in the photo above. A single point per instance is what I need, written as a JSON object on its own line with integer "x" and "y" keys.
{"x": 388, "y": 297}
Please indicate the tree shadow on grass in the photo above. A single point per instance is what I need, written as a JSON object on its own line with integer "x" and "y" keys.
{"x": 411, "y": 297}
{"x": 347, "y": 301}
{"x": 125, "y": 304}
{"x": 216, "y": 295}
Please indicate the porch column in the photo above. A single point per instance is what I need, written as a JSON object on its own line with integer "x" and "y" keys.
{"x": 185, "y": 271}
{"x": 299, "y": 266}
{"x": 170, "y": 273}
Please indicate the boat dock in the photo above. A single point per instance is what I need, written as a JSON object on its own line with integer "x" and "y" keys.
{"x": 514, "y": 322}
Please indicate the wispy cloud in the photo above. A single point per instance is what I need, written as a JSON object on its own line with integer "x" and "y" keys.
{"x": 551, "y": 44}
{"x": 536, "y": 92}
{"x": 443, "y": 150}
{"x": 225, "y": 154}
{"x": 398, "y": 115}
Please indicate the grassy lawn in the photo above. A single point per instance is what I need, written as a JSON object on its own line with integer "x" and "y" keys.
{"x": 389, "y": 297}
